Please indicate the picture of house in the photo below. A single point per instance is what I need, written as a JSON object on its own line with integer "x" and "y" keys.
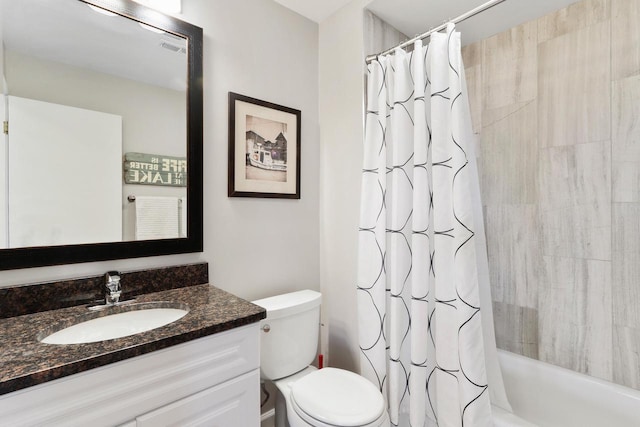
{"x": 266, "y": 149}
{"x": 265, "y": 154}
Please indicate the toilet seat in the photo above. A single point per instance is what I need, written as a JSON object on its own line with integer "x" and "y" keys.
{"x": 382, "y": 421}
{"x": 335, "y": 397}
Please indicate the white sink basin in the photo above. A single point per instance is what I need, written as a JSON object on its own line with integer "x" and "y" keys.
{"x": 118, "y": 325}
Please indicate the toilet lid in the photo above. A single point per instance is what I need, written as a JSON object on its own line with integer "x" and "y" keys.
{"x": 338, "y": 397}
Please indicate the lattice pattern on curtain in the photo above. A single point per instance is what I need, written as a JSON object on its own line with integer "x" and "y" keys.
{"x": 419, "y": 312}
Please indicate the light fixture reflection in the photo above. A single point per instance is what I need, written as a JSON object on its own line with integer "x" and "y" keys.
{"x": 150, "y": 28}
{"x": 102, "y": 11}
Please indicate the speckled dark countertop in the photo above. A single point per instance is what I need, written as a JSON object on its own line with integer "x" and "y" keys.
{"x": 26, "y": 362}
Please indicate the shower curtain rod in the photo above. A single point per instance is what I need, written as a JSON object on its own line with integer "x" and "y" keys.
{"x": 463, "y": 17}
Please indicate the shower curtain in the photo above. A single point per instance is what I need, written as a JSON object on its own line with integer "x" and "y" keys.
{"x": 424, "y": 306}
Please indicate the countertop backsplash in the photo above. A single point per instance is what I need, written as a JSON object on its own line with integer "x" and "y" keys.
{"x": 35, "y": 298}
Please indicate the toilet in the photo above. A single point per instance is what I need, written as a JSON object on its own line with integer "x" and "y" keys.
{"x": 308, "y": 396}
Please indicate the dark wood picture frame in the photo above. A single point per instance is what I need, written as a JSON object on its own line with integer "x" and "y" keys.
{"x": 263, "y": 162}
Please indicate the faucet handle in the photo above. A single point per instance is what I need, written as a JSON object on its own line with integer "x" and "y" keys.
{"x": 112, "y": 280}
{"x": 112, "y": 283}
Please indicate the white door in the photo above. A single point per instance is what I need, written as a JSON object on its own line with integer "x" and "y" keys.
{"x": 65, "y": 174}
{"x": 4, "y": 175}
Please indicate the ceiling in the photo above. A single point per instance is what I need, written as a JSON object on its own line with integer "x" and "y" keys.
{"x": 69, "y": 32}
{"x": 44, "y": 29}
{"x": 414, "y": 17}
{"x": 315, "y": 10}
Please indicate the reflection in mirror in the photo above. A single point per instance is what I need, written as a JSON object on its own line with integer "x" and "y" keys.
{"x": 103, "y": 155}
{"x": 85, "y": 90}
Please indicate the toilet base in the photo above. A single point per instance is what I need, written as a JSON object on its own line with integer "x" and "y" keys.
{"x": 286, "y": 415}
{"x": 282, "y": 386}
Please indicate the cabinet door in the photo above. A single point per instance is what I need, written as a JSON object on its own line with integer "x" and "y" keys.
{"x": 233, "y": 403}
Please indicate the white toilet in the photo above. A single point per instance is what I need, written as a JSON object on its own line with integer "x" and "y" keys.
{"x": 307, "y": 396}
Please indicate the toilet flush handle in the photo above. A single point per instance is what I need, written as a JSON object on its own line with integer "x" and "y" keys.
{"x": 266, "y": 328}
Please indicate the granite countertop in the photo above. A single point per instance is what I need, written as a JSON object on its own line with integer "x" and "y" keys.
{"x": 26, "y": 361}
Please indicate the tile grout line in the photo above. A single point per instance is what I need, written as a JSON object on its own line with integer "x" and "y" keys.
{"x": 611, "y": 240}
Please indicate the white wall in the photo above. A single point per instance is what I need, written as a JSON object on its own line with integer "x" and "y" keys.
{"x": 3, "y": 180}
{"x": 255, "y": 247}
{"x": 4, "y": 170}
{"x": 341, "y": 120}
{"x": 153, "y": 117}
{"x": 3, "y": 148}
{"x": 259, "y": 247}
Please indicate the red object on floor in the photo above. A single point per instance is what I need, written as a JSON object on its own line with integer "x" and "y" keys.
{"x": 320, "y": 361}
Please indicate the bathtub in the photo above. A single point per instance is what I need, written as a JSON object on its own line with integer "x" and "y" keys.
{"x": 549, "y": 396}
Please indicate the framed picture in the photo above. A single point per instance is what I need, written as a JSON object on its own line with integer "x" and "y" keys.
{"x": 264, "y": 149}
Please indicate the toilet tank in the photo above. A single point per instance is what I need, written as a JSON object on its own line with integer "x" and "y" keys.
{"x": 289, "y": 334}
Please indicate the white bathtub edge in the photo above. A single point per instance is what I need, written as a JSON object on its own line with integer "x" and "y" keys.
{"x": 550, "y": 395}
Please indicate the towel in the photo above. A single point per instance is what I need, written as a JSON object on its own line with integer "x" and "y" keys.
{"x": 183, "y": 216}
{"x": 156, "y": 218}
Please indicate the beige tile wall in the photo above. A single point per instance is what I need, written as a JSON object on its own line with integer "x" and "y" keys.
{"x": 556, "y": 102}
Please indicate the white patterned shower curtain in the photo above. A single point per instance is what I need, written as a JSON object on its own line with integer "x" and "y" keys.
{"x": 424, "y": 306}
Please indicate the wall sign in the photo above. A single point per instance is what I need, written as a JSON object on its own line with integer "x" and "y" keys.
{"x": 155, "y": 169}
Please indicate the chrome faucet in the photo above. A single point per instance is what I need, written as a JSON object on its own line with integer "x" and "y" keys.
{"x": 112, "y": 292}
{"x": 112, "y": 287}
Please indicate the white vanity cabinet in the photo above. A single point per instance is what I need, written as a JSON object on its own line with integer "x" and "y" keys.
{"x": 210, "y": 381}
{"x": 223, "y": 405}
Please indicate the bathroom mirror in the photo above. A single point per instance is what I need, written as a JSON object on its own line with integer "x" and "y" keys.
{"x": 103, "y": 100}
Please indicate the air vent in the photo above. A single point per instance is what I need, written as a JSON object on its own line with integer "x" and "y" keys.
{"x": 172, "y": 47}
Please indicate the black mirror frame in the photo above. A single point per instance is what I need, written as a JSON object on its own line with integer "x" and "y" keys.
{"x": 70, "y": 254}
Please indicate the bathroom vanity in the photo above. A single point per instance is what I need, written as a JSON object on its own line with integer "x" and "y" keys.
{"x": 202, "y": 369}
